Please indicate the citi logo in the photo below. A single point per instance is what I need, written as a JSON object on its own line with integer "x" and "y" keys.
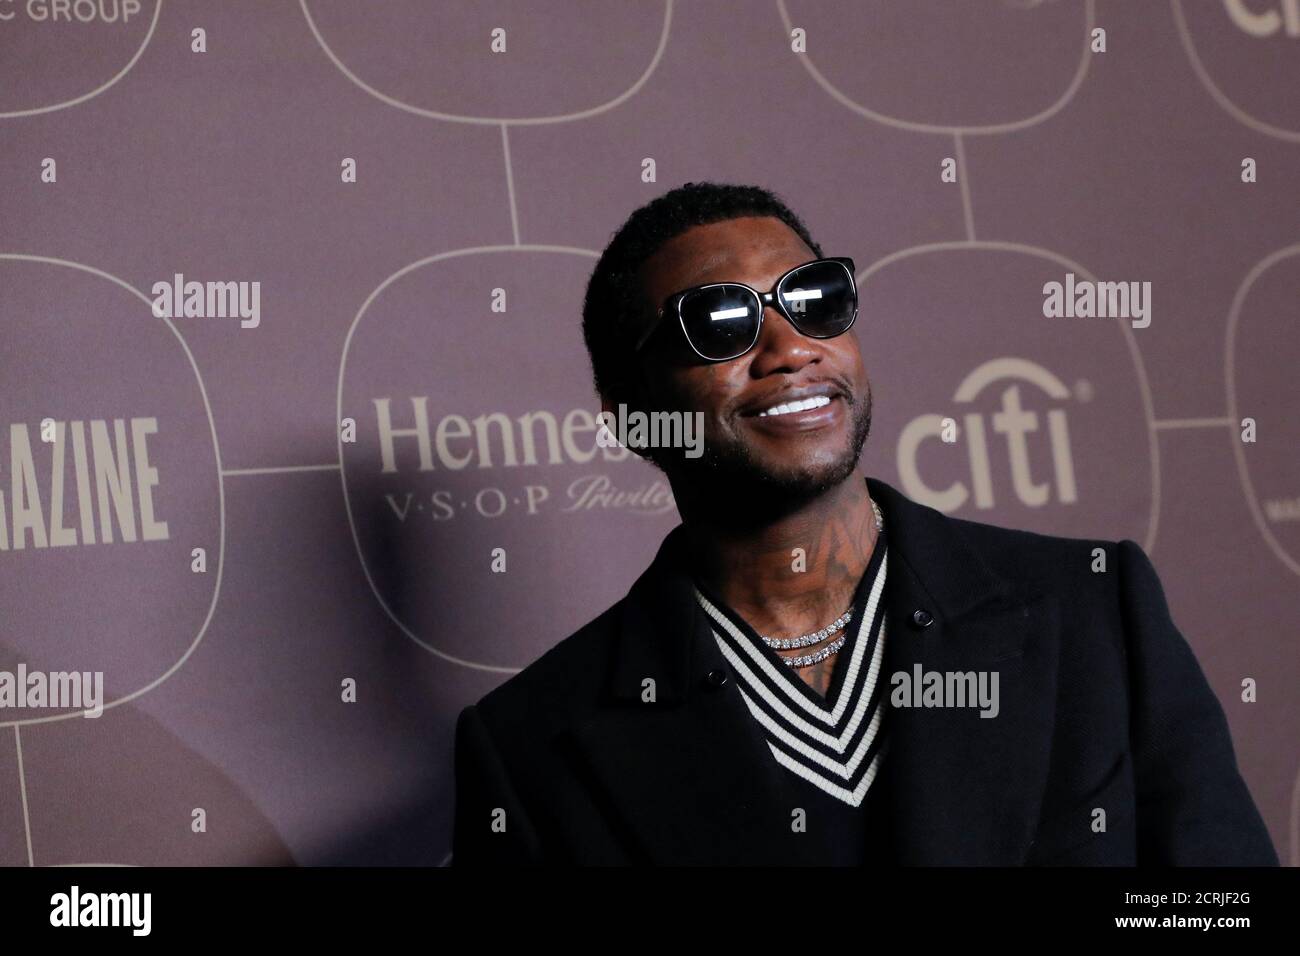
{"x": 1267, "y": 19}
{"x": 1015, "y": 430}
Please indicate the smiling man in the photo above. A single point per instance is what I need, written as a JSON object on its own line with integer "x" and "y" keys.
{"x": 816, "y": 669}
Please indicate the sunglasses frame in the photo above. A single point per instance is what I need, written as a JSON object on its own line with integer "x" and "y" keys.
{"x": 674, "y": 304}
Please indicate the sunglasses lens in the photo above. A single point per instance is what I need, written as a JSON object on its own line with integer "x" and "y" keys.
{"x": 721, "y": 322}
{"x": 820, "y": 299}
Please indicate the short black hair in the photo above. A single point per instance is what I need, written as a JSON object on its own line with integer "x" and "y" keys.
{"x": 615, "y": 299}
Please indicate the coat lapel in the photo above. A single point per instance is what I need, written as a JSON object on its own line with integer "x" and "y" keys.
{"x": 690, "y": 772}
{"x": 963, "y": 789}
{"x": 694, "y": 781}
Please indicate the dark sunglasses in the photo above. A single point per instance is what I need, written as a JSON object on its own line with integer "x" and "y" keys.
{"x": 722, "y": 320}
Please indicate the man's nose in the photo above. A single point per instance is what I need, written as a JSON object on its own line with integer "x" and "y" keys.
{"x": 781, "y": 347}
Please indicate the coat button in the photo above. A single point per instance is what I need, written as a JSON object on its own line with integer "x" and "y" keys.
{"x": 715, "y": 678}
{"x": 921, "y": 617}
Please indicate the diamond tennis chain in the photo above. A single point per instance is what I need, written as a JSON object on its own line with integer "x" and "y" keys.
{"x": 816, "y": 637}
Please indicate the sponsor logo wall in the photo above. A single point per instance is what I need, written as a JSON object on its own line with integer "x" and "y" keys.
{"x": 298, "y": 442}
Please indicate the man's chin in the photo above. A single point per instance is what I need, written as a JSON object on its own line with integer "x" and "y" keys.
{"x": 726, "y": 478}
{"x": 805, "y": 481}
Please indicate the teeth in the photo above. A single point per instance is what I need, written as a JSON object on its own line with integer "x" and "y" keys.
{"x": 817, "y": 401}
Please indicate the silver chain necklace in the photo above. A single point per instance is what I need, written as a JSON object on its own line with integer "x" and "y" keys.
{"x": 816, "y": 637}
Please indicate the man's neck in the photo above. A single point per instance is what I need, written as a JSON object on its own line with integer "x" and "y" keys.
{"x": 757, "y": 571}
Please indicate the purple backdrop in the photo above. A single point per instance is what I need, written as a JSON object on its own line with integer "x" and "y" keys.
{"x": 419, "y": 191}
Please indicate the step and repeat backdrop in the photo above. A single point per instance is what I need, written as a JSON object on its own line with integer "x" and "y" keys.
{"x": 290, "y": 344}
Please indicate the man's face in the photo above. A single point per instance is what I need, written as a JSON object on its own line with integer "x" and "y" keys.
{"x": 793, "y": 455}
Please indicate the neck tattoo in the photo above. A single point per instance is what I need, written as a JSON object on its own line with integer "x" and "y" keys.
{"x": 816, "y": 637}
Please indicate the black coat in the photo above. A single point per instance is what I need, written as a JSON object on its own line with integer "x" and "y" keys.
{"x": 1102, "y": 705}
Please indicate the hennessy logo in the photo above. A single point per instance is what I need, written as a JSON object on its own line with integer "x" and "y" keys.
{"x": 1018, "y": 427}
{"x": 495, "y": 440}
{"x": 492, "y": 439}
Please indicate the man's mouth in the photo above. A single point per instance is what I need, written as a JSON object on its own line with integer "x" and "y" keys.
{"x": 792, "y": 401}
{"x": 790, "y": 408}
{"x": 816, "y": 409}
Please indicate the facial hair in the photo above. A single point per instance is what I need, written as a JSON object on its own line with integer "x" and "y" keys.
{"x": 729, "y": 478}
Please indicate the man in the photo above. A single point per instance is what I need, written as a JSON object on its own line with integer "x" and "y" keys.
{"x": 816, "y": 669}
